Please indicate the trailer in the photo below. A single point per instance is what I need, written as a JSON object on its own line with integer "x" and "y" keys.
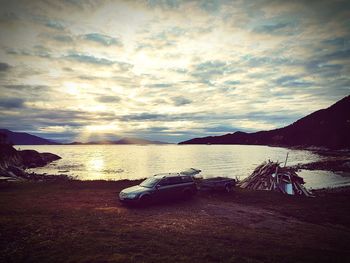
{"x": 216, "y": 184}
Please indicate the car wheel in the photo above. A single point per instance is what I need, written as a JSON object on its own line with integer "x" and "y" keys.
{"x": 145, "y": 200}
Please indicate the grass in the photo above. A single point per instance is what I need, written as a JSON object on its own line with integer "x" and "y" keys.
{"x": 83, "y": 222}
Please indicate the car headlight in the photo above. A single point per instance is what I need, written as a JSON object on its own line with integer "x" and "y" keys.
{"x": 132, "y": 195}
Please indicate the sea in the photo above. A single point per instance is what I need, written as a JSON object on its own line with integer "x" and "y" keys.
{"x": 117, "y": 162}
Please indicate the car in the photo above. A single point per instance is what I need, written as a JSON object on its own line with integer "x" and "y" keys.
{"x": 159, "y": 187}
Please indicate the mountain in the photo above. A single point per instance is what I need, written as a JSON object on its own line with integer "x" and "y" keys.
{"x": 138, "y": 141}
{"x": 22, "y": 138}
{"x": 328, "y": 128}
{"x": 121, "y": 141}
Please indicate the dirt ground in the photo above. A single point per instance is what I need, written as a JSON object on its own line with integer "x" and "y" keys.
{"x": 84, "y": 222}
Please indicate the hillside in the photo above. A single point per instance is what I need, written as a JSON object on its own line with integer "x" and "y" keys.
{"x": 328, "y": 128}
{"x": 22, "y": 138}
{"x": 137, "y": 141}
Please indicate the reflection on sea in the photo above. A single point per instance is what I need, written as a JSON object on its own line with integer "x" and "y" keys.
{"x": 114, "y": 162}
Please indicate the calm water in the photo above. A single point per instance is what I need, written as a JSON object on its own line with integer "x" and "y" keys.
{"x": 114, "y": 162}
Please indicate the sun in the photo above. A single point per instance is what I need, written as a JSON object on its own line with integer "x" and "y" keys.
{"x": 71, "y": 88}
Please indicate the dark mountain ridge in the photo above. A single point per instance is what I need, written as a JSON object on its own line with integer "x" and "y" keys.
{"x": 22, "y": 138}
{"x": 137, "y": 141}
{"x": 328, "y": 128}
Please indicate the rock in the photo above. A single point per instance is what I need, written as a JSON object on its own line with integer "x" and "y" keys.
{"x": 13, "y": 162}
{"x": 49, "y": 157}
{"x": 346, "y": 165}
{"x": 16, "y": 171}
{"x": 32, "y": 159}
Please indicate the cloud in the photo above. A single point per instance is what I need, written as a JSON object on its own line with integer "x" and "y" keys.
{"x": 11, "y": 103}
{"x": 4, "y": 66}
{"x": 172, "y": 4}
{"x": 219, "y": 66}
{"x": 102, "y": 39}
{"x": 341, "y": 42}
{"x": 232, "y": 82}
{"x": 160, "y": 85}
{"x": 108, "y": 99}
{"x": 27, "y": 88}
{"x": 85, "y": 58}
{"x": 221, "y": 129}
{"x": 73, "y": 119}
{"x": 260, "y": 61}
{"x": 338, "y": 55}
{"x": 180, "y": 101}
{"x": 274, "y": 28}
{"x": 323, "y": 68}
{"x": 293, "y": 81}
{"x": 63, "y": 38}
{"x": 142, "y": 117}
{"x": 210, "y": 70}
{"x": 55, "y": 24}
{"x": 38, "y": 51}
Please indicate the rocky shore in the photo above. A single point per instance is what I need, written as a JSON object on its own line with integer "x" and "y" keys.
{"x": 14, "y": 162}
{"x": 334, "y": 164}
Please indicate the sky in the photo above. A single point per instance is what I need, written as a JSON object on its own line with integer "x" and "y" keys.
{"x": 169, "y": 70}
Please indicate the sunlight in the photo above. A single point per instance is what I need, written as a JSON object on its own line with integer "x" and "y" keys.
{"x": 101, "y": 128}
{"x": 95, "y": 108}
{"x": 71, "y": 88}
{"x": 96, "y": 164}
{"x": 98, "y": 132}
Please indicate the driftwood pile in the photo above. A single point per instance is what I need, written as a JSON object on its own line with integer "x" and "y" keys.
{"x": 272, "y": 177}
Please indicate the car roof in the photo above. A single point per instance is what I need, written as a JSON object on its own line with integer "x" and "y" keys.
{"x": 166, "y": 175}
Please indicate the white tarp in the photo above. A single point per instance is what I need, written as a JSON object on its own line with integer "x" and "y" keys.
{"x": 191, "y": 172}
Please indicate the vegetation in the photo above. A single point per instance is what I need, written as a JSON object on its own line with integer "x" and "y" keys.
{"x": 79, "y": 221}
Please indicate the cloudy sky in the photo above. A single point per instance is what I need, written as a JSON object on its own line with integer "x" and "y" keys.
{"x": 168, "y": 70}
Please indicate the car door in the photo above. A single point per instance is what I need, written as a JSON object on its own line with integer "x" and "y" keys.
{"x": 188, "y": 184}
{"x": 163, "y": 189}
{"x": 176, "y": 186}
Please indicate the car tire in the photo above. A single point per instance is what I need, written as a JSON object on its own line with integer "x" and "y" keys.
{"x": 145, "y": 200}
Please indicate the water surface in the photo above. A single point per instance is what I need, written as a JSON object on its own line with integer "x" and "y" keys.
{"x": 115, "y": 162}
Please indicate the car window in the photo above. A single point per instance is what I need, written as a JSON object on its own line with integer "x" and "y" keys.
{"x": 149, "y": 182}
{"x": 186, "y": 179}
{"x": 175, "y": 180}
{"x": 164, "y": 181}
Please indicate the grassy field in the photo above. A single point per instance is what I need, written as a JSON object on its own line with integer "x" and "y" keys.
{"x": 83, "y": 222}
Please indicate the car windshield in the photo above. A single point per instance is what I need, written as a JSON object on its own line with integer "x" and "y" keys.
{"x": 149, "y": 182}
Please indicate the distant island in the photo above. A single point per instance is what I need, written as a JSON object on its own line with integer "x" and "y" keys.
{"x": 328, "y": 128}
{"x": 137, "y": 141}
{"x": 23, "y": 138}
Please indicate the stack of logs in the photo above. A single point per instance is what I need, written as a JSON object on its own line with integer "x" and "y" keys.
{"x": 272, "y": 177}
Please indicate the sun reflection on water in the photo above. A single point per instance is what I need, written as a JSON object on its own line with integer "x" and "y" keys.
{"x": 96, "y": 166}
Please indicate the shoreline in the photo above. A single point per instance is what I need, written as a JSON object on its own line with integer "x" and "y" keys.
{"x": 333, "y": 161}
{"x": 60, "y": 218}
